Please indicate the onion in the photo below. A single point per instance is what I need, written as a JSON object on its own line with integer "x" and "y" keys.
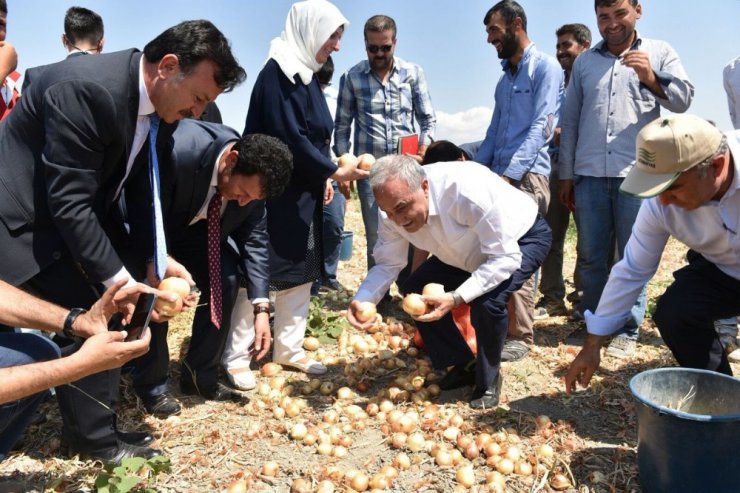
{"x": 311, "y": 344}
{"x": 372, "y": 409}
{"x": 434, "y": 390}
{"x": 270, "y": 468}
{"x": 324, "y": 448}
{"x": 238, "y": 486}
{"x": 277, "y": 383}
{"x": 402, "y": 461}
{"x": 365, "y": 312}
{"x": 176, "y": 285}
{"x": 309, "y": 439}
{"x": 293, "y": 409}
{"x": 359, "y": 482}
{"x": 523, "y": 467}
{"x": 414, "y": 305}
{"x": 416, "y": 442}
{"x": 433, "y": 289}
{"x": 298, "y": 431}
{"x": 513, "y": 453}
{"x": 278, "y": 412}
{"x": 325, "y": 486}
{"x": 379, "y": 482}
{"x": 366, "y": 162}
{"x": 168, "y": 308}
{"x": 398, "y": 440}
{"x": 326, "y": 388}
{"x": 545, "y": 451}
{"x": 492, "y": 448}
{"x": 465, "y": 475}
{"x": 346, "y": 159}
{"x": 471, "y": 452}
{"x": 270, "y": 369}
{"x": 451, "y": 433}
{"x": 344, "y": 393}
{"x": 543, "y": 421}
{"x": 505, "y": 466}
{"x": 339, "y": 451}
{"x": 300, "y": 485}
{"x": 558, "y": 482}
{"x": 443, "y": 458}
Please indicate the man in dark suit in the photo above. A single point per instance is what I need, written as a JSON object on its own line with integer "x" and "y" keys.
{"x": 83, "y": 35}
{"x": 65, "y": 153}
{"x": 205, "y": 160}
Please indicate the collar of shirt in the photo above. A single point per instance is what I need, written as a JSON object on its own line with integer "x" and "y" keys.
{"x": 601, "y": 45}
{"x": 733, "y": 142}
{"x": 506, "y": 65}
{"x": 146, "y": 107}
{"x": 203, "y": 212}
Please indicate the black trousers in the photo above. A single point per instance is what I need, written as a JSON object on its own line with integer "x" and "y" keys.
{"x": 685, "y": 314}
{"x": 201, "y": 364}
{"x": 488, "y": 313}
{"x": 87, "y": 405}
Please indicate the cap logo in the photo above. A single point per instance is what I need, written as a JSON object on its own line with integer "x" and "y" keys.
{"x": 646, "y": 158}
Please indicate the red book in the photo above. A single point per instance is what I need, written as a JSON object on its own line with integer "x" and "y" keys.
{"x": 408, "y": 144}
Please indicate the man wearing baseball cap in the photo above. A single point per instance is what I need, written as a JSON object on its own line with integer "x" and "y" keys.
{"x": 688, "y": 171}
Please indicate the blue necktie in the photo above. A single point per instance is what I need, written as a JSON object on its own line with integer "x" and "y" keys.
{"x": 160, "y": 244}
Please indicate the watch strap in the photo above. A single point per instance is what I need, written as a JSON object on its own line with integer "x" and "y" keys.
{"x": 68, "y": 327}
{"x": 261, "y": 309}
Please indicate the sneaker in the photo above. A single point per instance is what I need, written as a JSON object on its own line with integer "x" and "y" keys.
{"x": 241, "y": 378}
{"x": 622, "y": 346}
{"x": 514, "y": 351}
{"x": 487, "y": 398}
{"x": 547, "y": 309}
{"x": 458, "y": 376}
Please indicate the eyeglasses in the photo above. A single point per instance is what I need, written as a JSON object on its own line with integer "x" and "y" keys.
{"x": 376, "y": 48}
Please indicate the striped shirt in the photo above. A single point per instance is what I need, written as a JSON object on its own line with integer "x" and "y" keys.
{"x": 382, "y": 112}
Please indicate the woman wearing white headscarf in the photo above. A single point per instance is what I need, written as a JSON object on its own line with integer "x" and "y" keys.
{"x": 287, "y": 103}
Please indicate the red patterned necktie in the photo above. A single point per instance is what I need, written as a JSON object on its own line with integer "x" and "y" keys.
{"x": 214, "y": 257}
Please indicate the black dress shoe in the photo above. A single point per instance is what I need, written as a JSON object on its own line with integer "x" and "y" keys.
{"x": 114, "y": 455}
{"x": 487, "y": 398}
{"x": 458, "y": 376}
{"x": 161, "y": 405}
{"x": 219, "y": 392}
{"x": 138, "y": 438}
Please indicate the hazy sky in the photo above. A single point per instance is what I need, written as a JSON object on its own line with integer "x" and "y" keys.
{"x": 445, "y": 37}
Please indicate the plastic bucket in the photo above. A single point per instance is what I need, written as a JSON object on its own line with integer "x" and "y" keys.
{"x": 345, "y": 251}
{"x": 688, "y": 430}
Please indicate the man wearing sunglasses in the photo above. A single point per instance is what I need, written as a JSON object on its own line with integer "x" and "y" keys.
{"x": 387, "y": 98}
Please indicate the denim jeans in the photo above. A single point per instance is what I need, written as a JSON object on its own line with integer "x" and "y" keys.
{"x": 15, "y": 350}
{"x": 369, "y": 217}
{"x": 604, "y": 213}
{"x": 333, "y": 227}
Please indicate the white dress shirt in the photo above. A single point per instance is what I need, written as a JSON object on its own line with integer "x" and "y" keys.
{"x": 146, "y": 107}
{"x": 712, "y": 230}
{"x": 475, "y": 222}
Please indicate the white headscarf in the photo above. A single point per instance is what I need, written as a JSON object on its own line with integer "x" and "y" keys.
{"x": 309, "y": 25}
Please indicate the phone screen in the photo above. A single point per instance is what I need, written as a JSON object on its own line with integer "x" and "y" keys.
{"x": 142, "y": 315}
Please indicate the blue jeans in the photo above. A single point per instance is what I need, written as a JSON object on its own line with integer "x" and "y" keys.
{"x": 604, "y": 213}
{"x": 369, "y": 217}
{"x": 15, "y": 350}
{"x": 333, "y": 227}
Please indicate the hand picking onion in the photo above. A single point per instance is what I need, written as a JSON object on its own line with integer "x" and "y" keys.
{"x": 433, "y": 289}
{"x": 366, "y": 162}
{"x": 366, "y": 312}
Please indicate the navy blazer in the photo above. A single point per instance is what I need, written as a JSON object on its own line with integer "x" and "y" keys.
{"x": 63, "y": 155}
{"x": 186, "y": 167}
{"x": 298, "y": 115}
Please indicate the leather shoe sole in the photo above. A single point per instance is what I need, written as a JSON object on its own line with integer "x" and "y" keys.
{"x": 161, "y": 405}
{"x": 218, "y": 393}
{"x": 487, "y": 399}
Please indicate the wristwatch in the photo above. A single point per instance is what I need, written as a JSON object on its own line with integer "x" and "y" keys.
{"x": 67, "y": 328}
{"x": 457, "y": 299}
{"x": 261, "y": 309}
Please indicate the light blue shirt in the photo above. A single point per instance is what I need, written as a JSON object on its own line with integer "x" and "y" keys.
{"x": 382, "y": 111}
{"x": 524, "y": 116}
{"x": 712, "y": 230}
{"x": 607, "y": 106}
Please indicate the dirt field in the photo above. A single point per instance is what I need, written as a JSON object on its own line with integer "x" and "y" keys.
{"x": 210, "y": 445}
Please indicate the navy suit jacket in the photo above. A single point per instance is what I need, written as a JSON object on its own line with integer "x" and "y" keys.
{"x": 63, "y": 155}
{"x": 186, "y": 167}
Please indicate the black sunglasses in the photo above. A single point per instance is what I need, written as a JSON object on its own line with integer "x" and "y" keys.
{"x": 376, "y": 48}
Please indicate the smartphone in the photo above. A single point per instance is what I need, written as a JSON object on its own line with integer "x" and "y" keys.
{"x": 142, "y": 315}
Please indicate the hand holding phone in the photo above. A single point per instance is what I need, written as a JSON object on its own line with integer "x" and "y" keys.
{"x": 141, "y": 317}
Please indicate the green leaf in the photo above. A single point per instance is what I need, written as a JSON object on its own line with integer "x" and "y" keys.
{"x": 128, "y": 483}
{"x": 133, "y": 464}
{"x": 102, "y": 483}
{"x": 159, "y": 464}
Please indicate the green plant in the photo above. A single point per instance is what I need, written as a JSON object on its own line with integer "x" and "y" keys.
{"x": 322, "y": 323}
{"x": 132, "y": 475}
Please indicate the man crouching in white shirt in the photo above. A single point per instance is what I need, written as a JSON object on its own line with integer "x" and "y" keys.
{"x": 691, "y": 172}
{"x": 485, "y": 238}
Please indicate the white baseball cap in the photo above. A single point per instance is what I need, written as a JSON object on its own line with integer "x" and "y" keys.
{"x": 665, "y": 148}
